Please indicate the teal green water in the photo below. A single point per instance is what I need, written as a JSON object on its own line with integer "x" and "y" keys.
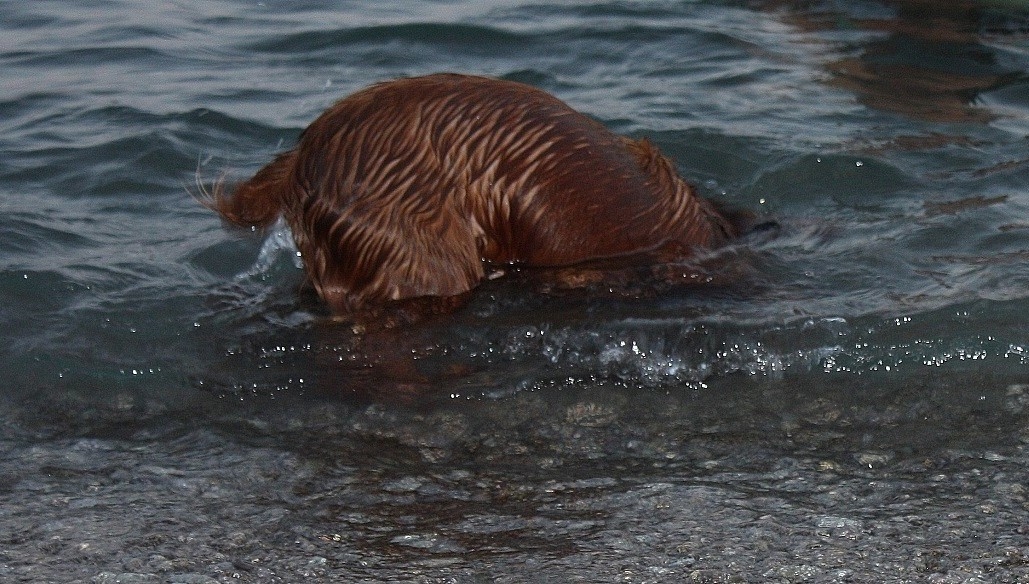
{"x": 890, "y": 139}
{"x": 891, "y": 146}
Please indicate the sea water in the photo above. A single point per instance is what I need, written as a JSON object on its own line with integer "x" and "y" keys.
{"x": 846, "y": 402}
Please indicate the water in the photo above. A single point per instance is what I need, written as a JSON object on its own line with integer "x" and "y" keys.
{"x": 851, "y": 403}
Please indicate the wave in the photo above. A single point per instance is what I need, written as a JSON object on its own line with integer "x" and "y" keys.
{"x": 434, "y": 34}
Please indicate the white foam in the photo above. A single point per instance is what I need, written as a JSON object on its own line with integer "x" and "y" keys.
{"x": 278, "y": 243}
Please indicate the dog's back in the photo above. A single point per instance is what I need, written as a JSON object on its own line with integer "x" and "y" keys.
{"x": 404, "y": 189}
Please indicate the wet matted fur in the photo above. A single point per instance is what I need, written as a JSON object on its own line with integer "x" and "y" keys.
{"x": 410, "y": 188}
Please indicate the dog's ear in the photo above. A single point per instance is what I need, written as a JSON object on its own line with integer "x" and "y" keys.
{"x": 258, "y": 201}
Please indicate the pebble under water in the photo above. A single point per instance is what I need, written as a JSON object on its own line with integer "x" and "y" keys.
{"x": 847, "y": 399}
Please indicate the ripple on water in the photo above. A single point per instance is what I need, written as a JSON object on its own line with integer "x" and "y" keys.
{"x": 853, "y": 407}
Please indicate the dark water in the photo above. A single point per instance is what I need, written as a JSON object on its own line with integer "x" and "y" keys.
{"x": 853, "y": 408}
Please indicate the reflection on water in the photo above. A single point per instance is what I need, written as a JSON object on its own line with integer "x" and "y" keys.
{"x": 931, "y": 62}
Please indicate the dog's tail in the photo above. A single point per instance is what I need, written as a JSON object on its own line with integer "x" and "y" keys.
{"x": 258, "y": 201}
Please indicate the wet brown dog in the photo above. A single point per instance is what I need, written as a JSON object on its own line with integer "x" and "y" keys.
{"x": 410, "y": 188}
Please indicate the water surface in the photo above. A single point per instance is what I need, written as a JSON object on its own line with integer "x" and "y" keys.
{"x": 849, "y": 405}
